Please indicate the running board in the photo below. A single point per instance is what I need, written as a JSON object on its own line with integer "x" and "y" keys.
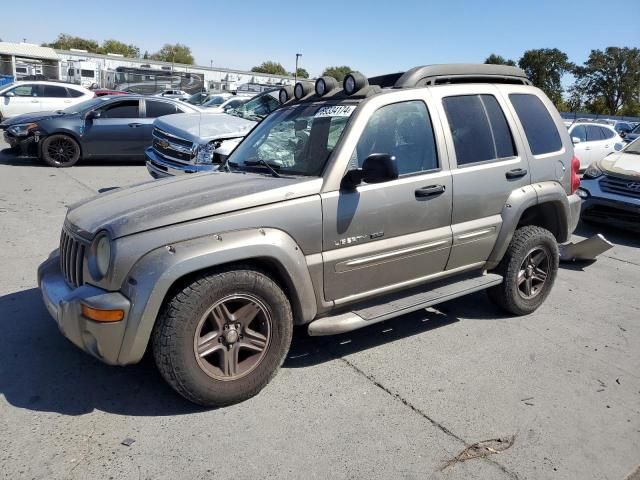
{"x": 400, "y": 303}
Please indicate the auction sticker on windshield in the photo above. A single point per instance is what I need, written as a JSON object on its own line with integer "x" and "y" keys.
{"x": 335, "y": 111}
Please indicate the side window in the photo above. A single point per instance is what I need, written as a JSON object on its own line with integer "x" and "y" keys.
{"x": 539, "y": 127}
{"x": 579, "y": 132}
{"x": 594, "y": 134}
{"x": 74, "y": 93}
{"x": 26, "y": 90}
{"x": 403, "y": 130}
{"x": 479, "y": 129}
{"x": 607, "y": 134}
{"x": 126, "y": 109}
{"x": 158, "y": 109}
{"x": 53, "y": 91}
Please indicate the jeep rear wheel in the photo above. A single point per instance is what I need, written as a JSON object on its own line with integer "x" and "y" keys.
{"x": 223, "y": 337}
{"x": 529, "y": 269}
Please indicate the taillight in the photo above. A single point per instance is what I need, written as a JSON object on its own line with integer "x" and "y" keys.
{"x": 575, "y": 178}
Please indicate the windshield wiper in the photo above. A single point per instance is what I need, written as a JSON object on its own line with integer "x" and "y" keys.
{"x": 264, "y": 163}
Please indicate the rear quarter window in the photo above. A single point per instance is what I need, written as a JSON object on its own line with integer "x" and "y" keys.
{"x": 539, "y": 127}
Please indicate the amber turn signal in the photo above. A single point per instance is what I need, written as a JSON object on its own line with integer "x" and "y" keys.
{"x": 102, "y": 315}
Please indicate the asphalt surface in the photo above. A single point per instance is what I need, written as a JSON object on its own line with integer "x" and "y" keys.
{"x": 401, "y": 399}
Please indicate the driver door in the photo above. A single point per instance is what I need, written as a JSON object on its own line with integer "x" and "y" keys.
{"x": 377, "y": 237}
{"x": 24, "y": 98}
{"x": 117, "y": 132}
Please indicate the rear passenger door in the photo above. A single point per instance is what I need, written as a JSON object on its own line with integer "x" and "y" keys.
{"x": 54, "y": 97}
{"x": 153, "y": 110}
{"x": 488, "y": 163}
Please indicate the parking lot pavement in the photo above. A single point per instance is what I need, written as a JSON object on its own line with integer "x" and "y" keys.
{"x": 396, "y": 400}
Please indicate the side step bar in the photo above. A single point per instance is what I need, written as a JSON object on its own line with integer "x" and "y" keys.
{"x": 400, "y": 303}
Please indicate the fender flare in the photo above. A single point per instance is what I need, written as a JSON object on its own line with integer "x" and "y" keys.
{"x": 155, "y": 273}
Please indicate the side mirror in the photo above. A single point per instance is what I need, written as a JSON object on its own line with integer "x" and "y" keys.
{"x": 575, "y": 140}
{"x": 377, "y": 168}
{"x": 9, "y": 94}
{"x": 93, "y": 114}
{"x": 623, "y": 134}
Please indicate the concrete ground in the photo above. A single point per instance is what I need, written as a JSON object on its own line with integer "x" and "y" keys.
{"x": 397, "y": 400}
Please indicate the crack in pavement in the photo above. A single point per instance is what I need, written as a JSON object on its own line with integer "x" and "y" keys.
{"x": 629, "y": 262}
{"x": 79, "y": 182}
{"x": 416, "y": 410}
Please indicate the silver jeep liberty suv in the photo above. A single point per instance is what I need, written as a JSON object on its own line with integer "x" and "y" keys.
{"x": 348, "y": 205}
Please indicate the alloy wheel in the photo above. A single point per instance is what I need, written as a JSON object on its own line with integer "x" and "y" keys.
{"x": 533, "y": 273}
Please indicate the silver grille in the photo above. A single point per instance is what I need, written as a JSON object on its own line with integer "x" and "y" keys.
{"x": 620, "y": 186}
{"x": 173, "y": 148}
{"x": 71, "y": 256}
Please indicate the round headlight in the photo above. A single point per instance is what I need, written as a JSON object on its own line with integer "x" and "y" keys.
{"x": 298, "y": 91}
{"x": 283, "y": 95}
{"x": 353, "y": 82}
{"x": 102, "y": 255}
{"x": 325, "y": 84}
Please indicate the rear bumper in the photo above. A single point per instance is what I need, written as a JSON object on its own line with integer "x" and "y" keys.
{"x": 101, "y": 340}
{"x": 575, "y": 204}
{"x": 158, "y": 167}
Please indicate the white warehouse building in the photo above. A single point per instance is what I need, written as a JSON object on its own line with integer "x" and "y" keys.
{"x": 138, "y": 75}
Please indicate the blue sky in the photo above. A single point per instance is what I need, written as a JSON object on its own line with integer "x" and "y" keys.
{"x": 374, "y": 37}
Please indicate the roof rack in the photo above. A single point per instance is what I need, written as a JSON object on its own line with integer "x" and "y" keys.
{"x": 456, "y": 73}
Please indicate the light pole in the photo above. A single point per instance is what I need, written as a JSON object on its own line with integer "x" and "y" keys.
{"x": 295, "y": 75}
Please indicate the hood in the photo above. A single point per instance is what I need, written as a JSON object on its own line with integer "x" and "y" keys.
{"x": 159, "y": 203}
{"x": 629, "y": 137}
{"x": 201, "y": 127}
{"x": 31, "y": 117}
{"x": 621, "y": 164}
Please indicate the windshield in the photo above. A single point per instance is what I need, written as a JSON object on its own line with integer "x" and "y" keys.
{"x": 86, "y": 105}
{"x": 633, "y": 147}
{"x": 257, "y": 108}
{"x": 296, "y": 140}
{"x": 636, "y": 129}
{"x": 214, "y": 101}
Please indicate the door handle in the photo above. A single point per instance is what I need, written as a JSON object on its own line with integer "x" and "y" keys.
{"x": 515, "y": 173}
{"x": 587, "y": 148}
{"x": 34, "y": 101}
{"x": 135, "y": 125}
{"x": 430, "y": 191}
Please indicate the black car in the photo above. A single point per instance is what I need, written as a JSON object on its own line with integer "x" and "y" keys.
{"x": 104, "y": 127}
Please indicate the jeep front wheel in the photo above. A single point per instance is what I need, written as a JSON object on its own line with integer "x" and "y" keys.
{"x": 223, "y": 337}
{"x": 529, "y": 269}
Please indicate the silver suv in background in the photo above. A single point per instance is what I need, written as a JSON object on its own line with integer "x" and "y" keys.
{"x": 187, "y": 143}
{"x": 345, "y": 207}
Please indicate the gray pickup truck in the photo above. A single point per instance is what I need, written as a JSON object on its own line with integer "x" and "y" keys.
{"x": 192, "y": 143}
{"x": 347, "y": 206}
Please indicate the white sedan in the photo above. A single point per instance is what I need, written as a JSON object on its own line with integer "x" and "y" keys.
{"x": 39, "y": 96}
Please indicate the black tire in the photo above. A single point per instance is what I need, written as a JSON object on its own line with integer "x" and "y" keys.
{"x": 60, "y": 151}
{"x": 528, "y": 243}
{"x": 179, "y": 326}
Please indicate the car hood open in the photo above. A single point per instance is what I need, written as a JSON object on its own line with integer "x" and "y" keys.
{"x": 200, "y": 127}
{"x": 622, "y": 164}
{"x": 159, "y": 203}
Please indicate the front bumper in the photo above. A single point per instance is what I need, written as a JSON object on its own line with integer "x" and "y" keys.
{"x": 159, "y": 167}
{"x": 609, "y": 208}
{"x": 23, "y": 142}
{"x": 102, "y": 340}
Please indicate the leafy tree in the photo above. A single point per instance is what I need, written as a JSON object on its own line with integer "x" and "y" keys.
{"x": 177, "y": 53}
{"x": 610, "y": 80}
{"x": 302, "y": 73}
{"x": 494, "y": 59}
{"x": 338, "y": 72}
{"x": 545, "y": 68}
{"x": 115, "y": 46}
{"x": 146, "y": 55}
{"x": 67, "y": 42}
{"x": 274, "y": 68}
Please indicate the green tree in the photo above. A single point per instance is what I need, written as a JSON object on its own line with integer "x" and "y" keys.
{"x": 146, "y": 55}
{"x": 494, "y": 59}
{"x": 545, "y": 68}
{"x": 337, "y": 72}
{"x": 610, "y": 80}
{"x": 177, "y": 53}
{"x": 115, "y": 46}
{"x": 302, "y": 73}
{"x": 273, "y": 68}
{"x": 67, "y": 42}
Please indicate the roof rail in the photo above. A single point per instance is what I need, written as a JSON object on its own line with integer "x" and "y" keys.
{"x": 459, "y": 73}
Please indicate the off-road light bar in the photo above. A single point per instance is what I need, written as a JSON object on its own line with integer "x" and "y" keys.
{"x": 301, "y": 90}
{"x": 325, "y": 84}
{"x": 353, "y": 82}
{"x": 285, "y": 94}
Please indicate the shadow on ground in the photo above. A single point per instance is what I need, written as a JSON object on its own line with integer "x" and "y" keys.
{"x": 9, "y": 157}
{"x": 40, "y": 370}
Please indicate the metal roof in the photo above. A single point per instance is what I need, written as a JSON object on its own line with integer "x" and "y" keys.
{"x": 28, "y": 50}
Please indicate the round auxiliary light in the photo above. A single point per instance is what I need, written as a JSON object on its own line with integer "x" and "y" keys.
{"x": 324, "y": 85}
{"x": 301, "y": 90}
{"x": 285, "y": 94}
{"x": 353, "y": 82}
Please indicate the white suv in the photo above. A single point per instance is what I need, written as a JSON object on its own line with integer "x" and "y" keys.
{"x": 593, "y": 141}
{"x": 39, "y": 96}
